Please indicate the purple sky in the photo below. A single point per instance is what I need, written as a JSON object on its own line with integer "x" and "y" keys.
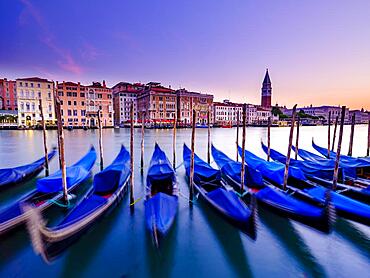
{"x": 317, "y": 52}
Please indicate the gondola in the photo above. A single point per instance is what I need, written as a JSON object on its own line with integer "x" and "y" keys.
{"x": 355, "y": 170}
{"x": 161, "y": 201}
{"x": 17, "y": 175}
{"x": 345, "y": 206}
{"x": 108, "y": 189}
{"x": 209, "y": 185}
{"x": 322, "y": 173}
{"x": 286, "y": 203}
{"x": 48, "y": 191}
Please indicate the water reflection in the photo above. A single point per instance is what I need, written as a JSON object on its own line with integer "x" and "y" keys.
{"x": 291, "y": 240}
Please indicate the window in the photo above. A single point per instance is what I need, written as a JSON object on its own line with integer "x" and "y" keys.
{"x": 39, "y": 85}
{"x": 83, "y": 113}
{"x": 74, "y": 112}
{"x": 69, "y": 112}
{"x": 82, "y": 103}
{"x": 27, "y": 106}
{"x": 82, "y": 94}
{"x": 50, "y": 115}
{"x": 61, "y": 102}
{"x": 26, "y": 84}
{"x": 69, "y": 102}
{"x": 100, "y": 96}
{"x": 39, "y": 94}
{"x": 48, "y": 86}
{"x": 74, "y": 94}
{"x": 49, "y": 95}
{"x": 32, "y": 85}
{"x": 74, "y": 102}
{"x": 33, "y": 107}
{"x": 69, "y": 94}
{"x": 60, "y": 94}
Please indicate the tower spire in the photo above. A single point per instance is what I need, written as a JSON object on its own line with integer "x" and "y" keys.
{"x": 266, "y": 91}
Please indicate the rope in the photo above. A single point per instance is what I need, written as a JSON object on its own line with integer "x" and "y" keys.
{"x": 182, "y": 163}
{"x": 137, "y": 200}
{"x": 55, "y": 202}
{"x": 241, "y": 195}
{"x": 186, "y": 198}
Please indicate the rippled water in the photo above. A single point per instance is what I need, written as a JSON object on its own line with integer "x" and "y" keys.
{"x": 200, "y": 243}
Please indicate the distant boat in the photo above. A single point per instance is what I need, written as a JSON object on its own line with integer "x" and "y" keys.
{"x": 202, "y": 126}
{"x": 48, "y": 191}
{"x": 161, "y": 201}
{"x": 107, "y": 191}
{"x": 13, "y": 176}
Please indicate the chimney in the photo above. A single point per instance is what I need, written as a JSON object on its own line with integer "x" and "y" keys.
{"x": 104, "y": 84}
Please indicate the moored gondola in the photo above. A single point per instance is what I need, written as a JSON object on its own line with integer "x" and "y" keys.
{"x": 48, "y": 191}
{"x": 13, "y": 176}
{"x": 161, "y": 197}
{"x": 345, "y": 206}
{"x": 209, "y": 185}
{"x": 108, "y": 189}
{"x": 285, "y": 203}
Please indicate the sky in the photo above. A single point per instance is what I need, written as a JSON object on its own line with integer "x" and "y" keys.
{"x": 317, "y": 52}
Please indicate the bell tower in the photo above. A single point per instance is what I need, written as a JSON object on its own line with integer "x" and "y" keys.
{"x": 266, "y": 91}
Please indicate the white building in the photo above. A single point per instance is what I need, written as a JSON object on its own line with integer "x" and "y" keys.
{"x": 361, "y": 116}
{"x": 29, "y": 93}
{"x": 322, "y": 112}
{"x": 226, "y": 113}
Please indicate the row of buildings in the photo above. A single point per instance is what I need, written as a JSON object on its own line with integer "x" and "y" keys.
{"x": 153, "y": 104}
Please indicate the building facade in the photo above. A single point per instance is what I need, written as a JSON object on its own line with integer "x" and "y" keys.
{"x": 322, "y": 112}
{"x": 157, "y": 103}
{"x": 29, "y": 93}
{"x": 361, "y": 116}
{"x": 123, "y": 95}
{"x": 8, "y": 95}
{"x": 99, "y": 98}
{"x": 226, "y": 113}
{"x": 266, "y": 91}
{"x": 187, "y": 101}
{"x": 73, "y": 103}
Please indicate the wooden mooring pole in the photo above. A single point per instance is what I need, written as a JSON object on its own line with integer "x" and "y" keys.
{"x": 142, "y": 143}
{"x": 132, "y": 154}
{"x": 368, "y": 137}
{"x": 55, "y": 94}
{"x": 336, "y": 167}
{"x": 242, "y": 172}
{"x": 297, "y": 138}
{"x": 335, "y": 133}
{"x": 209, "y": 136}
{"x": 286, "y": 172}
{"x": 329, "y": 124}
{"x": 353, "y": 122}
{"x": 268, "y": 138}
{"x": 44, "y": 139}
{"x": 191, "y": 174}
{"x": 174, "y": 140}
{"x": 237, "y": 136}
{"x": 100, "y": 141}
{"x": 58, "y": 115}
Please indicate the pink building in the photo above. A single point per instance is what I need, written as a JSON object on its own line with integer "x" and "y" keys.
{"x": 8, "y": 95}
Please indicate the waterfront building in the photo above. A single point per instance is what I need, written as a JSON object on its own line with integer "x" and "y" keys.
{"x": 186, "y": 101}
{"x": 29, "y": 92}
{"x": 8, "y": 95}
{"x": 226, "y": 112}
{"x": 158, "y": 104}
{"x": 322, "y": 112}
{"x": 123, "y": 95}
{"x": 262, "y": 116}
{"x": 361, "y": 116}
{"x": 73, "y": 103}
{"x": 99, "y": 97}
{"x": 266, "y": 91}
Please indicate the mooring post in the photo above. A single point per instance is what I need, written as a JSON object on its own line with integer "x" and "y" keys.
{"x": 209, "y": 136}
{"x": 58, "y": 115}
{"x": 268, "y": 138}
{"x": 132, "y": 154}
{"x": 242, "y": 172}
{"x": 286, "y": 172}
{"x": 368, "y": 136}
{"x": 297, "y": 138}
{"x": 44, "y": 139}
{"x": 336, "y": 167}
{"x": 352, "y": 133}
{"x": 191, "y": 174}
{"x": 237, "y": 135}
{"x": 174, "y": 140}
{"x": 335, "y": 133}
{"x": 329, "y": 124}
{"x": 100, "y": 141}
{"x": 142, "y": 143}
{"x": 55, "y": 94}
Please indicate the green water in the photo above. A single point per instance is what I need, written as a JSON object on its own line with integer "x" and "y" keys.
{"x": 200, "y": 244}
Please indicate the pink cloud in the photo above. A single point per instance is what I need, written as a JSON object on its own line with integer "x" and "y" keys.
{"x": 65, "y": 59}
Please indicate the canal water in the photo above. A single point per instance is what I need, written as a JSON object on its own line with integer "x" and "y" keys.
{"x": 200, "y": 244}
